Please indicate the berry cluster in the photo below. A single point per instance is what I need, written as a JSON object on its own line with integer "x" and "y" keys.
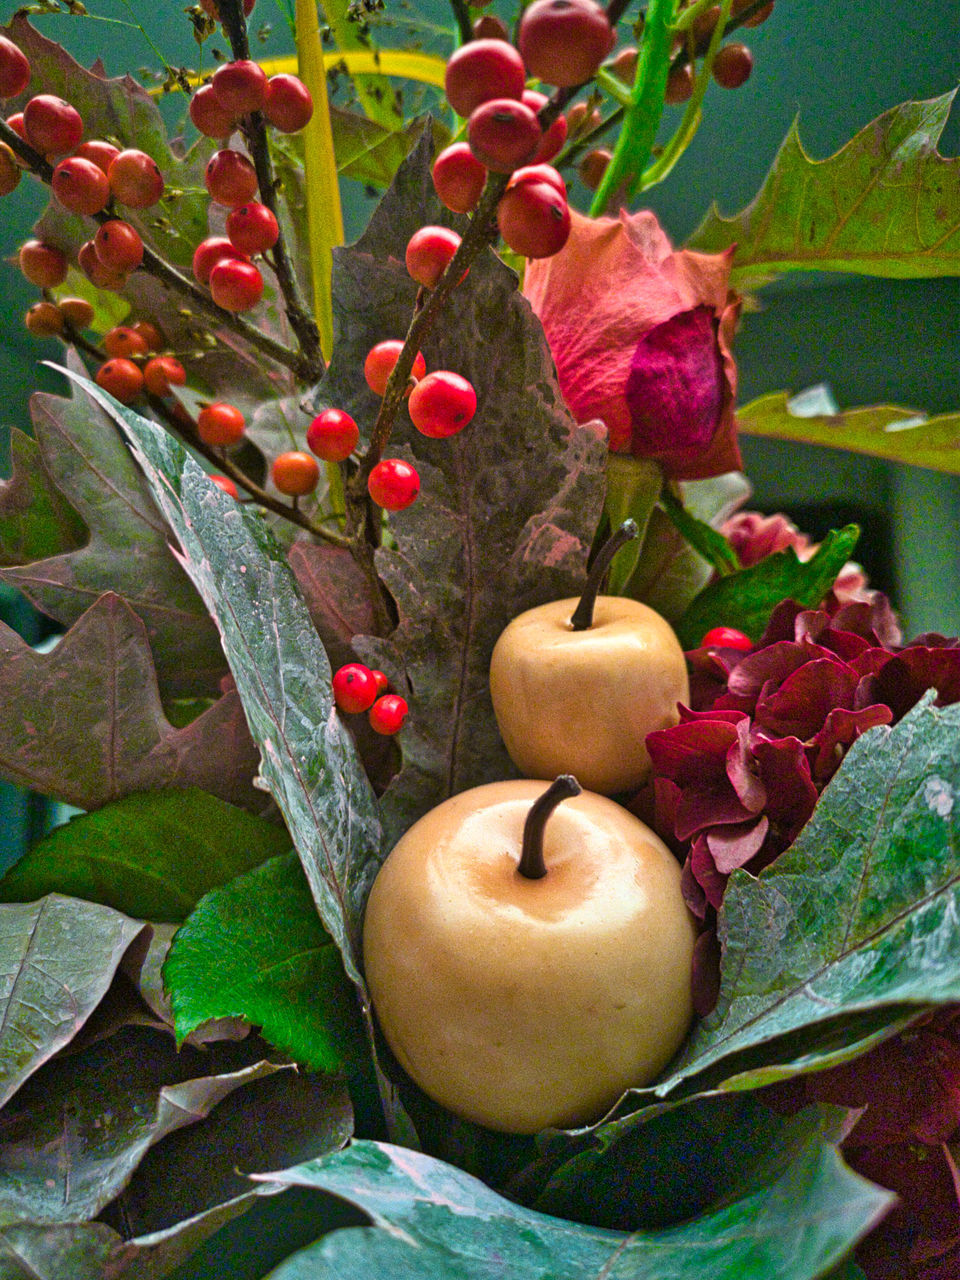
{"x": 357, "y": 688}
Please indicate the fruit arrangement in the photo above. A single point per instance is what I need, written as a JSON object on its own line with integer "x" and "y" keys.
{"x": 482, "y": 819}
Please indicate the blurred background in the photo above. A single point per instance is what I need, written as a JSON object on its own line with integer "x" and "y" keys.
{"x": 833, "y": 66}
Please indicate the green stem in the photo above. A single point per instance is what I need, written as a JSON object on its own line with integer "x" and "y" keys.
{"x": 532, "y": 865}
{"x": 642, "y": 118}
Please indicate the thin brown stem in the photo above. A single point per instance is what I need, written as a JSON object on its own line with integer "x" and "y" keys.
{"x": 532, "y": 865}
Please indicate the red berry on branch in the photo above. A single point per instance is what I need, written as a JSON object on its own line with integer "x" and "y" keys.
{"x": 220, "y": 424}
{"x": 383, "y": 684}
{"x": 210, "y": 8}
{"x": 76, "y": 312}
{"x": 288, "y": 105}
{"x": 240, "y": 87}
{"x": 96, "y": 272}
{"x": 51, "y": 125}
{"x": 124, "y": 341}
{"x": 354, "y": 688}
{"x": 150, "y": 334}
{"x": 295, "y": 473}
{"x": 44, "y": 320}
{"x": 14, "y": 69}
{"x": 226, "y": 484}
{"x": 80, "y": 186}
{"x": 380, "y": 361}
{"x": 43, "y": 264}
{"x": 161, "y": 374}
{"x": 726, "y": 638}
{"x": 534, "y": 219}
{"x": 230, "y": 178}
{"x": 121, "y": 379}
{"x": 393, "y": 484}
{"x": 458, "y": 177}
{"x": 624, "y": 65}
{"x": 556, "y": 134}
{"x": 101, "y": 153}
{"x": 759, "y": 17}
{"x": 209, "y": 115}
{"x": 680, "y": 83}
{"x": 489, "y": 27}
{"x": 732, "y": 66}
{"x": 211, "y": 251}
{"x": 441, "y": 404}
{"x": 482, "y": 70}
{"x": 135, "y": 179}
{"x": 429, "y": 251}
{"x": 539, "y": 173}
{"x": 235, "y": 285}
{"x": 252, "y": 228}
{"x": 10, "y": 171}
{"x": 333, "y": 435}
{"x": 563, "y": 42}
{"x": 15, "y": 122}
{"x": 118, "y": 245}
{"x": 503, "y": 134}
{"x": 593, "y": 166}
{"x": 388, "y": 714}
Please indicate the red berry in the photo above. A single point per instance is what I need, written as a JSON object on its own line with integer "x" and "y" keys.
{"x": 118, "y": 245}
{"x": 150, "y": 334}
{"x": 43, "y": 264}
{"x": 124, "y": 341}
{"x": 235, "y": 285}
{"x": 441, "y": 404}
{"x": 383, "y": 684}
{"x": 121, "y": 379}
{"x": 534, "y": 219}
{"x": 458, "y": 177}
{"x": 231, "y": 178}
{"x": 354, "y": 688}
{"x": 380, "y": 360}
{"x": 388, "y": 714}
{"x": 564, "y": 41}
{"x": 226, "y": 484}
{"x": 759, "y": 17}
{"x": 220, "y": 424}
{"x": 252, "y": 228}
{"x": 76, "y": 312}
{"x": 10, "y": 172}
{"x": 593, "y": 166}
{"x": 726, "y": 638}
{"x": 295, "y": 473}
{"x": 80, "y": 186}
{"x": 240, "y": 87}
{"x": 393, "y": 484}
{"x": 680, "y": 83}
{"x": 211, "y": 251}
{"x": 96, "y": 272}
{"x": 489, "y": 27}
{"x": 135, "y": 179}
{"x": 161, "y": 373}
{"x": 14, "y": 69}
{"x": 288, "y": 105}
{"x": 51, "y": 125}
{"x": 503, "y": 134}
{"x": 429, "y": 251}
{"x": 101, "y": 153}
{"x": 44, "y": 320}
{"x": 333, "y": 435}
{"x": 732, "y": 66}
{"x": 15, "y": 122}
{"x": 482, "y": 70}
{"x": 556, "y": 134}
{"x": 539, "y": 173}
{"x": 209, "y": 115}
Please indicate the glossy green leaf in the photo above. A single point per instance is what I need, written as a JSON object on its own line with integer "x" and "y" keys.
{"x": 127, "y": 549}
{"x": 57, "y": 959}
{"x": 886, "y": 204}
{"x": 746, "y": 599}
{"x": 374, "y": 92}
{"x": 255, "y": 949}
{"x": 282, "y": 675}
{"x": 36, "y": 521}
{"x": 891, "y": 432}
{"x": 709, "y": 542}
{"x": 84, "y": 722}
{"x": 152, "y": 855}
{"x": 855, "y": 922}
{"x": 431, "y": 1220}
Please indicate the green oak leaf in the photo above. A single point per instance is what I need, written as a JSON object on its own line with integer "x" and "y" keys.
{"x": 747, "y": 598}
{"x": 891, "y": 432}
{"x": 255, "y": 949}
{"x": 430, "y": 1220}
{"x": 152, "y": 854}
{"x": 36, "y": 521}
{"x": 886, "y": 204}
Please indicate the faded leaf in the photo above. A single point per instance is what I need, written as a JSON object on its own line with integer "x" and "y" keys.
{"x": 36, "y": 521}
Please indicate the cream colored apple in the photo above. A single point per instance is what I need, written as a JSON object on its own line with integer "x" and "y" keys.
{"x": 522, "y": 1003}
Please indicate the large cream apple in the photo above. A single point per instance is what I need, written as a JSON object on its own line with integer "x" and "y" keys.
{"x": 518, "y": 1002}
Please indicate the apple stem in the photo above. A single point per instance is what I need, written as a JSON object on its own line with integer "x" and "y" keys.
{"x": 531, "y": 864}
{"x": 582, "y": 619}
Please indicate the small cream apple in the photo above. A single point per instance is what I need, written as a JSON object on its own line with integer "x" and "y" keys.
{"x": 577, "y": 685}
{"x": 529, "y": 960}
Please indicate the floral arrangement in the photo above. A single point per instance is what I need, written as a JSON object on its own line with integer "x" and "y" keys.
{"x": 345, "y": 954}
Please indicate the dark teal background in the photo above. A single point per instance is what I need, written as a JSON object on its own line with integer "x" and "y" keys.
{"x": 835, "y": 64}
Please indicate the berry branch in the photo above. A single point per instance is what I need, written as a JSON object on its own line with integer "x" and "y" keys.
{"x": 461, "y": 12}
{"x": 170, "y": 276}
{"x": 255, "y": 133}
